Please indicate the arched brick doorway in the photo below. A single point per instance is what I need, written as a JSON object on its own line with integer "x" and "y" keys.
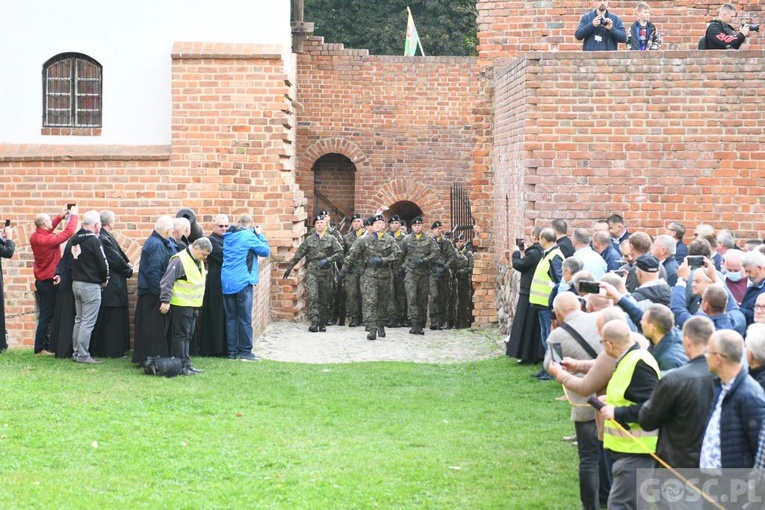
{"x": 334, "y": 186}
{"x": 406, "y": 210}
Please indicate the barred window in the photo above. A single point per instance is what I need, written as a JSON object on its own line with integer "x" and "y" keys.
{"x": 72, "y": 92}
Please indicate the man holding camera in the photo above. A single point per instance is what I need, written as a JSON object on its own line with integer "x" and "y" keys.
{"x": 601, "y": 30}
{"x": 720, "y": 33}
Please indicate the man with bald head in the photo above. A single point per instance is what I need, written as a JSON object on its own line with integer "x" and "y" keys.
{"x": 738, "y": 408}
{"x": 578, "y": 339}
{"x": 631, "y": 385}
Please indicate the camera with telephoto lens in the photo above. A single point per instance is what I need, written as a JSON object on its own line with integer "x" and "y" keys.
{"x": 752, "y": 28}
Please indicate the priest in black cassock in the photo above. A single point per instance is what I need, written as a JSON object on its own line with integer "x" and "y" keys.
{"x": 212, "y": 333}
{"x": 7, "y": 248}
{"x": 111, "y": 334}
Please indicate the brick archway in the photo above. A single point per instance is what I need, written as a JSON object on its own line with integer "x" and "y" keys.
{"x": 399, "y": 190}
{"x": 334, "y": 145}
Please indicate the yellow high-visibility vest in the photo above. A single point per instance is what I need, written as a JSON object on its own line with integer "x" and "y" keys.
{"x": 191, "y": 291}
{"x": 614, "y": 438}
{"x": 542, "y": 285}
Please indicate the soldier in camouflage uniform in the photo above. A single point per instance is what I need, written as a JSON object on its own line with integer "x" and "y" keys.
{"x": 351, "y": 274}
{"x": 397, "y": 308}
{"x": 377, "y": 253}
{"x": 337, "y": 298}
{"x": 439, "y": 277}
{"x": 464, "y": 284}
{"x": 418, "y": 251}
{"x": 321, "y": 250}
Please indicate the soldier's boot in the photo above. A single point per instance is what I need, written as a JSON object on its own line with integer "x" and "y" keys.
{"x": 314, "y": 327}
{"x": 433, "y": 324}
{"x": 341, "y": 321}
{"x": 331, "y": 322}
{"x": 367, "y": 328}
{"x": 372, "y": 335}
{"x": 381, "y": 332}
{"x": 421, "y": 328}
{"x": 413, "y": 329}
{"x": 322, "y": 327}
{"x": 406, "y": 323}
{"x": 392, "y": 323}
{"x": 354, "y": 322}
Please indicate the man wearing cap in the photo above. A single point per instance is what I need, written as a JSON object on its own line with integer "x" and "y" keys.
{"x": 321, "y": 250}
{"x": 418, "y": 251}
{"x": 337, "y": 297}
{"x": 376, "y": 253}
{"x": 652, "y": 288}
{"x": 439, "y": 276}
{"x": 350, "y": 275}
{"x": 464, "y": 285}
{"x": 397, "y": 308}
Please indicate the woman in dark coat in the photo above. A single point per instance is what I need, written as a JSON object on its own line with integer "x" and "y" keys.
{"x": 212, "y": 335}
{"x": 62, "y": 326}
{"x": 111, "y": 334}
{"x": 525, "y": 342}
{"x": 7, "y": 248}
{"x": 150, "y": 327}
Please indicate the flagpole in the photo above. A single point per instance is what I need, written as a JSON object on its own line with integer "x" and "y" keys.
{"x": 419, "y": 43}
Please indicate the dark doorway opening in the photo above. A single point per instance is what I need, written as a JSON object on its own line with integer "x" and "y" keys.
{"x": 334, "y": 182}
{"x": 406, "y": 210}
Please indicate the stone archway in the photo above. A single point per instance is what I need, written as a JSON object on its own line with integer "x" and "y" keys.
{"x": 405, "y": 209}
{"x": 334, "y": 179}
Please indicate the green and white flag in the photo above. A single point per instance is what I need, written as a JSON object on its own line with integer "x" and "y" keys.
{"x": 412, "y": 39}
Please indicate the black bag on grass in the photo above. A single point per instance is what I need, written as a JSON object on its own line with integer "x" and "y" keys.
{"x": 166, "y": 367}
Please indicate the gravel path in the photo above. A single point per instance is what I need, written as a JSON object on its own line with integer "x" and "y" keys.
{"x": 289, "y": 341}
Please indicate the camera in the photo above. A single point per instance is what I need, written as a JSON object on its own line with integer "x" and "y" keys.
{"x": 520, "y": 242}
{"x": 752, "y": 28}
{"x": 605, "y": 20}
{"x": 695, "y": 261}
{"x": 589, "y": 287}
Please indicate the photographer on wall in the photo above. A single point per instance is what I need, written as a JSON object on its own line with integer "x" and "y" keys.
{"x": 721, "y": 35}
{"x": 601, "y": 30}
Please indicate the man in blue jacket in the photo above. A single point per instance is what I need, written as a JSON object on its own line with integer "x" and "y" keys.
{"x": 242, "y": 245}
{"x": 601, "y": 30}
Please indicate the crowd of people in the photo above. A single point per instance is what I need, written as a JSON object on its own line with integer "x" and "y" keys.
{"x": 668, "y": 337}
{"x": 386, "y": 276}
{"x": 602, "y": 30}
{"x": 194, "y": 291}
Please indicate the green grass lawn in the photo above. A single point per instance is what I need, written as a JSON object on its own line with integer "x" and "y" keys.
{"x": 278, "y": 435}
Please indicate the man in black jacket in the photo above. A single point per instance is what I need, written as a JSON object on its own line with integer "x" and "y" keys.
{"x": 720, "y": 33}
{"x": 90, "y": 273}
{"x": 755, "y": 352}
{"x": 681, "y": 400}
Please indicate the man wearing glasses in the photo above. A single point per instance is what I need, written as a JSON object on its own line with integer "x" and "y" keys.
{"x": 212, "y": 336}
{"x": 677, "y": 231}
{"x": 754, "y": 268}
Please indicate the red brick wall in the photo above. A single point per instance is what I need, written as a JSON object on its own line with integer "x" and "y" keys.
{"x": 406, "y": 123}
{"x": 510, "y": 28}
{"x": 232, "y": 151}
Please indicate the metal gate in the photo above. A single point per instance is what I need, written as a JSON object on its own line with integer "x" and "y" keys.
{"x": 462, "y": 221}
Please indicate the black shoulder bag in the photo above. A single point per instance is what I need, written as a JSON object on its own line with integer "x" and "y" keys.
{"x": 581, "y": 341}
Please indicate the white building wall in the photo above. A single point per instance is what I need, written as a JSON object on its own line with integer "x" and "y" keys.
{"x": 133, "y": 42}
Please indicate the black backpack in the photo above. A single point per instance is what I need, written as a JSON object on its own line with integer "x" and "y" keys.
{"x": 165, "y": 367}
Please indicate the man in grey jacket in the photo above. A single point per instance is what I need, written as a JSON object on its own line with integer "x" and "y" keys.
{"x": 570, "y": 317}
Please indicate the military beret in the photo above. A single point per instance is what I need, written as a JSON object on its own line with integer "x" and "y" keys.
{"x": 436, "y": 224}
{"x": 324, "y": 212}
{"x": 318, "y": 218}
{"x": 403, "y": 223}
{"x": 356, "y": 216}
{"x": 393, "y": 218}
{"x": 369, "y": 220}
{"x": 417, "y": 220}
{"x": 378, "y": 217}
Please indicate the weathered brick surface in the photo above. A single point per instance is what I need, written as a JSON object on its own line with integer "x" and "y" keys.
{"x": 232, "y": 151}
{"x": 513, "y": 28}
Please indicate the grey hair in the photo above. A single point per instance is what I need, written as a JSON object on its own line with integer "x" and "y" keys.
{"x": 755, "y": 341}
{"x": 107, "y": 217}
{"x": 753, "y": 259}
{"x": 91, "y": 218}
{"x": 669, "y": 243}
{"x": 163, "y": 224}
{"x": 203, "y": 244}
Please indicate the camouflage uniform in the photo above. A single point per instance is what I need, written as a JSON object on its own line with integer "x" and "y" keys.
{"x": 423, "y": 249}
{"x": 439, "y": 281}
{"x": 321, "y": 252}
{"x": 337, "y": 300}
{"x": 375, "y": 281}
{"x": 397, "y": 308}
{"x": 351, "y": 282}
{"x": 464, "y": 301}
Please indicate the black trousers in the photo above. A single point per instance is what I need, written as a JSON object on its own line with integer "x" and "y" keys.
{"x": 183, "y": 321}
{"x": 589, "y": 459}
{"x": 46, "y": 294}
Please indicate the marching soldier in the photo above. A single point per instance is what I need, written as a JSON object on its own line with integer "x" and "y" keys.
{"x": 321, "y": 250}
{"x": 418, "y": 251}
{"x": 464, "y": 284}
{"x": 337, "y": 296}
{"x": 377, "y": 253}
{"x": 351, "y": 274}
{"x": 439, "y": 277}
{"x": 397, "y": 308}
